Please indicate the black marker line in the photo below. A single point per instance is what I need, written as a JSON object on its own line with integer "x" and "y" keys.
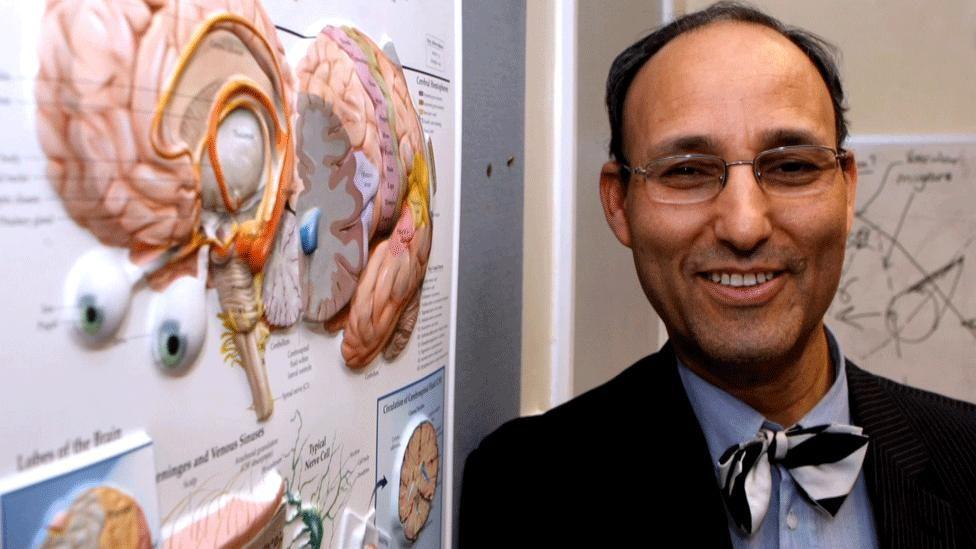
{"x": 884, "y": 182}
{"x": 304, "y": 37}
{"x": 843, "y": 291}
{"x": 886, "y": 261}
{"x": 845, "y": 316}
{"x": 931, "y": 278}
{"x": 878, "y": 348}
{"x": 955, "y": 284}
{"x": 914, "y": 263}
{"x": 965, "y": 245}
{"x": 294, "y": 33}
{"x": 901, "y": 326}
{"x": 425, "y": 73}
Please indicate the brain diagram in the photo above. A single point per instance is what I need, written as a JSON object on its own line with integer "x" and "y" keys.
{"x": 177, "y": 134}
{"x": 418, "y": 479}
{"x": 100, "y": 517}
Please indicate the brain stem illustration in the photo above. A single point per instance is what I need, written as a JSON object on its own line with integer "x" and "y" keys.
{"x": 177, "y": 134}
{"x": 229, "y": 77}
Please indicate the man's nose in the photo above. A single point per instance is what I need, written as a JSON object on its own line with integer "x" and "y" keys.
{"x": 742, "y": 211}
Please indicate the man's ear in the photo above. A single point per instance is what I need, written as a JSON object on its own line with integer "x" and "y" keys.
{"x": 613, "y": 197}
{"x": 850, "y": 176}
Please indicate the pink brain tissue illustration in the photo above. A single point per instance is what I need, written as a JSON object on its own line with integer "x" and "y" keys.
{"x": 178, "y": 135}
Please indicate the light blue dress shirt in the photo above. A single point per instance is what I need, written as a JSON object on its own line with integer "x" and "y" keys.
{"x": 792, "y": 520}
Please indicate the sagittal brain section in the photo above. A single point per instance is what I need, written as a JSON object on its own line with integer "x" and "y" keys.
{"x": 179, "y": 137}
{"x": 167, "y": 126}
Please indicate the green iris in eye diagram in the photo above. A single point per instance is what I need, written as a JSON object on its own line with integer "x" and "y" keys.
{"x": 91, "y": 315}
{"x": 170, "y": 344}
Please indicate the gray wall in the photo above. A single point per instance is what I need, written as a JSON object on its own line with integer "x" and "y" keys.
{"x": 489, "y": 323}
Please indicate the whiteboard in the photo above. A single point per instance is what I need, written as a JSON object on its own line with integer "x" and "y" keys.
{"x": 906, "y": 303}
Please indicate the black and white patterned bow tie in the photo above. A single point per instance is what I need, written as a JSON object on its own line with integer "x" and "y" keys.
{"x": 824, "y": 460}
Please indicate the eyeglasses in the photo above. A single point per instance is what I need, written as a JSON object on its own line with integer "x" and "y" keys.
{"x": 794, "y": 171}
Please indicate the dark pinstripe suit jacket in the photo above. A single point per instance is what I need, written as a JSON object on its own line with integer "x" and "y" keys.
{"x": 627, "y": 463}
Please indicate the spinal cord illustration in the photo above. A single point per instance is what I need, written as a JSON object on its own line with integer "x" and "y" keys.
{"x": 177, "y": 134}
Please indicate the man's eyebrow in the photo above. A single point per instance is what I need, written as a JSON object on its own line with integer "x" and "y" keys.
{"x": 685, "y": 144}
{"x": 703, "y": 144}
{"x": 784, "y": 137}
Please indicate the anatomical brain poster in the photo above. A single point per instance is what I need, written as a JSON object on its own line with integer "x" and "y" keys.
{"x": 229, "y": 226}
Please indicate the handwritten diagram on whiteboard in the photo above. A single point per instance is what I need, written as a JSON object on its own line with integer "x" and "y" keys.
{"x": 906, "y": 304}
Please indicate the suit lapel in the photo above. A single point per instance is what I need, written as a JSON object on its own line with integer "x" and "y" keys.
{"x": 693, "y": 463}
{"x": 908, "y": 510}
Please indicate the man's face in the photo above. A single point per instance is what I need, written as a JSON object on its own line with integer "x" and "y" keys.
{"x": 732, "y": 90}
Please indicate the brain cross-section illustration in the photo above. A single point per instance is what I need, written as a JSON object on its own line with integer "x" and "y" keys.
{"x": 177, "y": 135}
{"x": 365, "y": 211}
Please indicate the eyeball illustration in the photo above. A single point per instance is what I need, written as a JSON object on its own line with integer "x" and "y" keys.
{"x": 97, "y": 293}
{"x": 178, "y": 324}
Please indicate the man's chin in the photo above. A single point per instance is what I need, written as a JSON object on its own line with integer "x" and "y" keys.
{"x": 746, "y": 353}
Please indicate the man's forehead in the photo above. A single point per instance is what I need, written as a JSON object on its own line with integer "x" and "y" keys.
{"x": 719, "y": 67}
{"x": 714, "y": 43}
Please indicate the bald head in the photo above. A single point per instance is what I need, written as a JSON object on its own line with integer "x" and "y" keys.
{"x": 707, "y": 85}
{"x": 632, "y": 60}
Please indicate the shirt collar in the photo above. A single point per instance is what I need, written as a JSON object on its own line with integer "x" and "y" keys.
{"x": 727, "y": 421}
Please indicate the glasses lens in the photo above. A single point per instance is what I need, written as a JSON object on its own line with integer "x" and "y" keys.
{"x": 685, "y": 179}
{"x": 796, "y": 170}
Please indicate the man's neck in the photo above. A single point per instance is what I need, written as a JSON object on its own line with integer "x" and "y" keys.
{"x": 782, "y": 393}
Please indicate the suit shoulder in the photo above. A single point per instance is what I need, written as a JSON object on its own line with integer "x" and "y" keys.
{"x": 599, "y": 406}
{"x": 937, "y": 417}
{"x": 630, "y": 388}
{"x": 515, "y": 433}
{"x": 932, "y": 405}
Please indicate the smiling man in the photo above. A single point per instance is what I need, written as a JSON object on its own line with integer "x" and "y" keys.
{"x": 730, "y": 184}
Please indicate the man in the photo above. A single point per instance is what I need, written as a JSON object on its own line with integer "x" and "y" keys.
{"x": 748, "y": 429}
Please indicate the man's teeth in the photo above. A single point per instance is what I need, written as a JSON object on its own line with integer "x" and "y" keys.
{"x": 738, "y": 279}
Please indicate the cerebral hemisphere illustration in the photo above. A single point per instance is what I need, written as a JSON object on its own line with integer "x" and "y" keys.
{"x": 102, "y": 517}
{"x": 177, "y": 134}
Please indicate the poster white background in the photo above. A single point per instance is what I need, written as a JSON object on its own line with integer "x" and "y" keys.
{"x": 54, "y": 390}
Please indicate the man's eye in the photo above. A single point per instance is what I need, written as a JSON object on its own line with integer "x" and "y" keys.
{"x": 793, "y": 172}
{"x": 794, "y": 167}
{"x": 688, "y": 170}
{"x": 683, "y": 171}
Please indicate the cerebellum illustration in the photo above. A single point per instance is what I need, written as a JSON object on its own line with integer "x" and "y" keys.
{"x": 177, "y": 134}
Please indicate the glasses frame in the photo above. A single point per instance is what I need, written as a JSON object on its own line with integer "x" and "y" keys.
{"x": 840, "y": 155}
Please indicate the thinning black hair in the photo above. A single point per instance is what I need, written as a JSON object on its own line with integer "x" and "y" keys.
{"x": 822, "y": 54}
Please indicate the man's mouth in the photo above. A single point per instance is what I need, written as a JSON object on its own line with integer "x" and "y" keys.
{"x": 739, "y": 279}
{"x": 744, "y": 287}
